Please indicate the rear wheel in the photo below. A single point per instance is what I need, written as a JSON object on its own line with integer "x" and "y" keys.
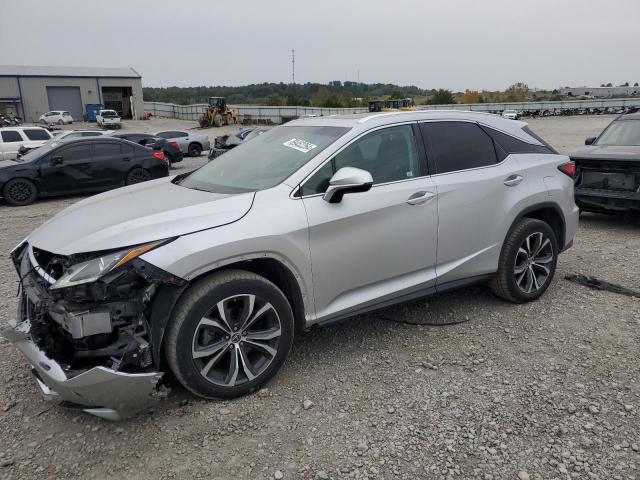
{"x": 229, "y": 119}
{"x": 229, "y": 335}
{"x": 20, "y": 191}
{"x": 60, "y": 122}
{"x": 195, "y": 149}
{"x": 527, "y": 261}
{"x": 169, "y": 160}
{"x": 138, "y": 175}
{"x": 217, "y": 120}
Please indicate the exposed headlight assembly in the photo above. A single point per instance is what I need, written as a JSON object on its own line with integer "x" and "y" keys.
{"x": 92, "y": 270}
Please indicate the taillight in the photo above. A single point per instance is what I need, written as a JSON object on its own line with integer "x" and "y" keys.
{"x": 568, "y": 168}
{"x": 159, "y": 155}
{"x": 175, "y": 145}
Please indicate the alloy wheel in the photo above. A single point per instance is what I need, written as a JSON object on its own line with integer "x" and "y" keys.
{"x": 20, "y": 191}
{"x": 237, "y": 340}
{"x": 533, "y": 259}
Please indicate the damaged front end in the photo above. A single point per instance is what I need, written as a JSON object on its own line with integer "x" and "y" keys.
{"x": 91, "y": 326}
{"x": 608, "y": 185}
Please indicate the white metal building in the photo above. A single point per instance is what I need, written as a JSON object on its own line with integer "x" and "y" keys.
{"x": 29, "y": 91}
{"x": 600, "y": 92}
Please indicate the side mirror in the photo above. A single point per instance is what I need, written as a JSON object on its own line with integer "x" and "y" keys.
{"x": 590, "y": 140}
{"x": 55, "y": 160}
{"x": 347, "y": 180}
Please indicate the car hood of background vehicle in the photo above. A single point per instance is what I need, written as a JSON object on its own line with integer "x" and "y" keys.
{"x": 608, "y": 152}
{"x": 8, "y": 163}
{"x": 150, "y": 211}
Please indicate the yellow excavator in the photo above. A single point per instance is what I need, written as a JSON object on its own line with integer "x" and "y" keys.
{"x": 396, "y": 105}
{"x": 218, "y": 113}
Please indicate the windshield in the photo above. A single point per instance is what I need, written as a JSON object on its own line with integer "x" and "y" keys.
{"x": 265, "y": 161}
{"x": 37, "y": 152}
{"x": 253, "y": 134}
{"x": 621, "y": 132}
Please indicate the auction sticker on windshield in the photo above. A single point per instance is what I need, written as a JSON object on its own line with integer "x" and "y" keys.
{"x": 301, "y": 145}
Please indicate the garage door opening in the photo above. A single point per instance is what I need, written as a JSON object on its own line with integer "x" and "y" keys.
{"x": 66, "y": 99}
{"x": 118, "y": 99}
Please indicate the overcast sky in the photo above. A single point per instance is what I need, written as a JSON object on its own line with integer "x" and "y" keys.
{"x": 456, "y": 44}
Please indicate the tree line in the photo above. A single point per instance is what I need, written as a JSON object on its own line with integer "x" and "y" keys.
{"x": 334, "y": 94}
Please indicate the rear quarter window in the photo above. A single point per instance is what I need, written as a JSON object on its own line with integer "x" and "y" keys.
{"x": 511, "y": 144}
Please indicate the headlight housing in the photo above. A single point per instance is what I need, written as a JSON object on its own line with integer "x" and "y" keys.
{"x": 92, "y": 270}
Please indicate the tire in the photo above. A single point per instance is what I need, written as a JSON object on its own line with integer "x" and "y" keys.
{"x": 169, "y": 160}
{"x": 526, "y": 267}
{"x": 217, "y": 120}
{"x": 234, "y": 366}
{"x": 60, "y": 122}
{"x": 195, "y": 149}
{"x": 229, "y": 120}
{"x": 137, "y": 175}
{"x": 19, "y": 192}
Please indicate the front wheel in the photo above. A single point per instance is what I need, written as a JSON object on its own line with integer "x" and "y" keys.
{"x": 19, "y": 192}
{"x": 230, "y": 333}
{"x": 527, "y": 262}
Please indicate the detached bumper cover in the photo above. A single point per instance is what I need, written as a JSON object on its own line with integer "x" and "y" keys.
{"x": 99, "y": 390}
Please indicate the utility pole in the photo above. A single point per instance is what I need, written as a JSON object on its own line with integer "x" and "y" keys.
{"x": 293, "y": 66}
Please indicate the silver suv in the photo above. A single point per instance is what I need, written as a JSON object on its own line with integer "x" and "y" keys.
{"x": 210, "y": 274}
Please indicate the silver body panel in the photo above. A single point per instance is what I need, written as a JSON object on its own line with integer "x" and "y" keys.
{"x": 397, "y": 240}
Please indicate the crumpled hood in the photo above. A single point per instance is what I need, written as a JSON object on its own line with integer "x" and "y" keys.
{"x": 607, "y": 152}
{"x": 136, "y": 214}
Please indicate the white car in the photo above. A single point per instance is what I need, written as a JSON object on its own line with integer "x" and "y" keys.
{"x": 108, "y": 119}
{"x": 191, "y": 144}
{"x": 12, "y": 138}
{"x": 67, "y": 135}
{"x": 58, "y": 117}
{"x": 510, "y": 114}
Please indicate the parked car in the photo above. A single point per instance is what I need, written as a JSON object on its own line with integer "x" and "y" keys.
{"x": 171, "y": 150}
{"x": 78, "y": 166}
{"x": 13, "y": 138}
{"x": 58, "y": 117}
{"x": 63, "y": 136}
{"x": 608, "y": 168}
{"x": 209, "y": 273}
{"x": 510, "y": 114}
{"x": 225, "y": 143}
{"x": 108, "y": 119}
{"x": 191, "y": 144}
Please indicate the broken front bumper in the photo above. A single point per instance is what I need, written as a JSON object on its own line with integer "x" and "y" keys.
{"x": 99, "y": 390}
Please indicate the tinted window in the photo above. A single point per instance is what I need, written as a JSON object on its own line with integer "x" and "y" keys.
{"x": 459, "y": 145}
{"x": 36, "y": 134}
{"x": 512, "y": 144}
{"x": 172, "y": 134}
{"x": 101, "y": 150}
{"x": 76, "y": 153}
{"x": 91, "y": 134}
{"x": 388, "y": 154}
{"x": 9, "y": 136}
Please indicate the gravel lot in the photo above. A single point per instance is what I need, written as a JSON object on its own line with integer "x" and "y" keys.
{"x": 538, "y": 391}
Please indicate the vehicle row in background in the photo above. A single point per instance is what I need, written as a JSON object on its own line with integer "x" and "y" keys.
{"x": 79, "y": 166}
{"x": 224, "y": 143}
{"x": 608, "y": 169}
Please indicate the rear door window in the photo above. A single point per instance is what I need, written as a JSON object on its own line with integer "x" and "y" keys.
{"x": 458, "y": 146}
{"x": 11, "y": 136}
{"x": 36, "y": 134}
{"x": 105, "y": 151}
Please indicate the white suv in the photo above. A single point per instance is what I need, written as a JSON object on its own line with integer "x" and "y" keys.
{"x": 58, "y": 117}
{"x": 211, "y": 273}
{"x": 12, "y": 138}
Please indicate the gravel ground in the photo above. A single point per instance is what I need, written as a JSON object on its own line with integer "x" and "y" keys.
{"x": 538, "y": 391}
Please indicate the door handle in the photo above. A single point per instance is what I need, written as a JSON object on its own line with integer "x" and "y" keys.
{"x": 513, "y": 180}
{"x": 420, "y": 198}
{"x": 126, "y": 159}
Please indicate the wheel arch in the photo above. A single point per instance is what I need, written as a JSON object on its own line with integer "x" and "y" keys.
{"x": 551, "y": 214}
{"x": 275, "y": 270}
